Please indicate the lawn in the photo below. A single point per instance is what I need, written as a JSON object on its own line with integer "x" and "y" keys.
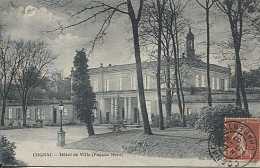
{"x": 170, "y": 143}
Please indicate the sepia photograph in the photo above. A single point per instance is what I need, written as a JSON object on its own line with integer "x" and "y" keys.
{"x": 130, "y": 83}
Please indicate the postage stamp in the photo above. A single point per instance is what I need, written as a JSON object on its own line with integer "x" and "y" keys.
{"x": 236, "y": 143}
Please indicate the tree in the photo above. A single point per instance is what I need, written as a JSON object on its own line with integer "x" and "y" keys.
{"x": 135, "y": 21}
{"x": 84, "y": 98}
{"x": 35, "y": 59}
{"x": 175, "y": 11}
{"x": 57, "y": 86}
{"x": 236, "y": 11}
{"x": 206, "y": 7}
{"x": 159, "y": 33}
{"x": 151, "y": 38}
{"x": 10, "y": 60}
{"x": 252, "y": 78}
{"x": 97, "y": 8}
{"x": 160, "y": 8}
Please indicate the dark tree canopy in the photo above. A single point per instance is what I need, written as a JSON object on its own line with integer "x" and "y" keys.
{"x": 83, "y": 96}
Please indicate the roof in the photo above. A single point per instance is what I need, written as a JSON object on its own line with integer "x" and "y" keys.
{"x": 153, "y": 64}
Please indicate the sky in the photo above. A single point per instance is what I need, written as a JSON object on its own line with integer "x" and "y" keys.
{"x": 28, "y": 19}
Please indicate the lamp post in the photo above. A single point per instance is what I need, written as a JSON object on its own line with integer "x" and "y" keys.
{"x": 61, "y": 106}
{"x": 61, "y": 133}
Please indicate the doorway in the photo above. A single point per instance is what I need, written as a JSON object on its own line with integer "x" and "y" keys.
{"x": 222, "y": 85}
{"x": 54, "y": 116}
{"x": 136, "y": 115}
{"x": 107, "y": 117}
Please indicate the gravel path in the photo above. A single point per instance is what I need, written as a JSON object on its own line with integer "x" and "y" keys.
{"x": 37, "y": 147}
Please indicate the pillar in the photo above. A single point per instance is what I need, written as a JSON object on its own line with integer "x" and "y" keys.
{"x": 116, "y": 109}
{"x": 130, "y": 109}
{"x": 112, "y": 110}
{"x": 125, "y": 108}
{"x": 139, "y": 111}
{"x": 102, "y": 110}
{"x": 138, "y": 103}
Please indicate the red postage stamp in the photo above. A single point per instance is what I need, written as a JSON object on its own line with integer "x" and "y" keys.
{"x": 242, "y": 137}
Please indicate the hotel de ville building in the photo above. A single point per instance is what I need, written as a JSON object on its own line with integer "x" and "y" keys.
{"x": 116, "y": 87}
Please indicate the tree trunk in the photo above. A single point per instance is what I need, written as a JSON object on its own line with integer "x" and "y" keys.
{"x": 176, "y": 66}
{"x": 168, "y": 91}
{"x": 208, "y": 64}
{"x": 3, "y": 111}
{"x": 238, "y": 98}
{"x": 89, "y": 125}
{"x": 134, "y": 22}
{"x": 241, "y": 82}
{"x": 161, "y": 123}
{"x": 181, "y": 89}
{"x": 236, "y": 27}
{"x": 24, "y": 105}
{"x": 177, "y": 81}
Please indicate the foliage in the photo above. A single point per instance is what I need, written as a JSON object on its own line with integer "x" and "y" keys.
{"x": 191, "y": 119}
{"x": 212, "y": 117}
{"x": 252, "y": 78}
{"x": 11, "y": 123}
{"x": 7, "y": 151}
{"x": 155, "y": 120}
{"x": 117, "y": 126}
{"x": 83, "y": 98}
{"x": 35, "y": 59}
{"x": 58, "y": 87}
{"x": 174, "y": 121}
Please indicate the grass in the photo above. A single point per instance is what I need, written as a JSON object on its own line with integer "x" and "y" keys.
{"x": 171, "y": 143}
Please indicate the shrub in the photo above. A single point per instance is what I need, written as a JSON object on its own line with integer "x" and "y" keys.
{"x": 155, "y": 120}
{"x": 191, "y": 119}
{"x": 174, "y": 121}
{"x": 11, "y": 123}
{"x": 212, "y": 117}
{"x": 7, "y": 151}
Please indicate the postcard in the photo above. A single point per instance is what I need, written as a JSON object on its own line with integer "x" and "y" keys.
{"x": 124, "y": 83}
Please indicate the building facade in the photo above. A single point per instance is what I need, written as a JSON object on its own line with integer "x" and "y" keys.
{"x": 116, "y": 86}
{"x": 117, "y": 92}
{"x": 46, "y": 111}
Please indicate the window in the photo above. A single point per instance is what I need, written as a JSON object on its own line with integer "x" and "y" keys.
{"x": 28, "y": 113}
{"x": 202, "y": 81}
{"x": 65, "y": 111}
{"x": 218, "y": 87}
{"x": 19, "y": 113}
{"x": 43, "y": 114}
{"x": 37, "y": 113}
{"x": 147, "y": 82}
{"x": 120, "y": 83}
{"x": 107, "y": 85}
{"x": 95, "y": 86}
{"x": 163, "y": 85}
{"x": 149, "y": 109}
{"x": 10, "y": 113}
{"x": 226, "y": 84}
{"x": 197, "y": 81}
{"x": 133, "y": 83}
{"x": 213, "y": 83}
{"x": 95, "y": 113}
{"x": 189, "y": 111}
